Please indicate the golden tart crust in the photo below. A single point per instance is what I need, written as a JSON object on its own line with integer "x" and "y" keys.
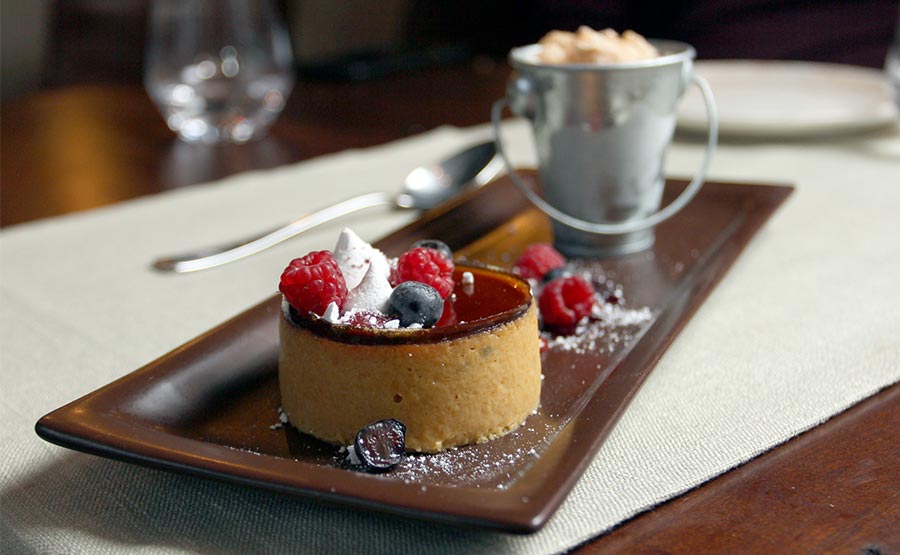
{"x": 464, "y": 383}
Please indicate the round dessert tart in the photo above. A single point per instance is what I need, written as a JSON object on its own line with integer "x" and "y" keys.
{"x": 473, "y": 377}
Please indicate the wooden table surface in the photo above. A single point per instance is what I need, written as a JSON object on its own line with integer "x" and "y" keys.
{"x": 834, "y": 489}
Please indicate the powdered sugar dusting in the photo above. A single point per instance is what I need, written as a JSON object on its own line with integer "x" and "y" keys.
{"x": 496, "y": 464}
{"x": 608, "y": 328}
{"x": 282, "y": 420}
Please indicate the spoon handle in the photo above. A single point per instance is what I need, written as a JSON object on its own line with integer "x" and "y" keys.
{"x": 217, "y": 256}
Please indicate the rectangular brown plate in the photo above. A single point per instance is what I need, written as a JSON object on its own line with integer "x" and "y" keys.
{"x": 210, "y": 407}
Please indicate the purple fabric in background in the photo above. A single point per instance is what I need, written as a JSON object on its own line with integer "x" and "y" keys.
{"x": 100, "y": 41}
{"x": 842, "y": 31}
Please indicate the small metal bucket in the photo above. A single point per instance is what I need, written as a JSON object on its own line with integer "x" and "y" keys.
{"x": 601, "y": 133}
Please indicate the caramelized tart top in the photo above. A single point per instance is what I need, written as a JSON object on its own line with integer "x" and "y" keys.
{"x": 493, "y": 298}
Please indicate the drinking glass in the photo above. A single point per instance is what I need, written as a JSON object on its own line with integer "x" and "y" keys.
{"x": 218, "y": 70}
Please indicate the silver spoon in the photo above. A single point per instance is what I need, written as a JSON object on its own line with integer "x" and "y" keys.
{"x": 424, "y": 188}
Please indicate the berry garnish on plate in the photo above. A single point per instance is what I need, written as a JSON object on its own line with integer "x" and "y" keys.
{"x": 381, "y": 446}
{"x": 565, "y": 301}
{"x": 538, "y": 259}
{"x": 310, "y": 283}
{"x": 413, "y": 302}
{"x": 425, "y": 265}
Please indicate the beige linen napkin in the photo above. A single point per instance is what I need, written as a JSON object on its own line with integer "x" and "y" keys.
{"x": 803, "y": 326}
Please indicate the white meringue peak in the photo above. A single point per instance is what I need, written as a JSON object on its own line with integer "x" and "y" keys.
{"x": 354, "y": 256}
{"x": 332, "y": 313}
{"x": 373, "y": 291}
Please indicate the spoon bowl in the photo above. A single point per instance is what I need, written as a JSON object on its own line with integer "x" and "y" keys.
{"x": 427, "y": 187}
{"x": 423, "y": 188}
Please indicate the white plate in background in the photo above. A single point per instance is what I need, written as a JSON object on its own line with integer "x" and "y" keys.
{"x": 789, "y": 98}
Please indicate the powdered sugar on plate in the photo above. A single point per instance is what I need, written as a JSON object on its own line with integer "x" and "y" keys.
{"x": 612, "y": 323}
{"x": 496, "y": 464}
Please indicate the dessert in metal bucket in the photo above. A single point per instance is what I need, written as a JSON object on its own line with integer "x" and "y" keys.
{"x": 602, "y": 121}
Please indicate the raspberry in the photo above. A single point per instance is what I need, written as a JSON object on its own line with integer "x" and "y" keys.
{"x": 537, "y": 260}
{"x": 566, "y": 300}
{"x": 313, "y": 281}
{"x": 426, "y": 266}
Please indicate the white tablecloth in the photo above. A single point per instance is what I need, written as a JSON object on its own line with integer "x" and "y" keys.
{"x": 803, "y": 326}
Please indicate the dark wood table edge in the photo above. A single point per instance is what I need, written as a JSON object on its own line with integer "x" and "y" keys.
{"x": 649, "y": 530}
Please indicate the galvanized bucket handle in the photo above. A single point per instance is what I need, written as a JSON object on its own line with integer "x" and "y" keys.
{"x": 632, "y": 225}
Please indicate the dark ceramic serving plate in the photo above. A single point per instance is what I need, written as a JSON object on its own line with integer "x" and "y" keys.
{"x": 210, "y": 407}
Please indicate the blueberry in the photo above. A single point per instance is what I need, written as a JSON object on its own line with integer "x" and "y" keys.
{"x": 414, "y": 302}
{"x": 553, "y": 274}
{"x": 381, "y": 446}
{"x": 435, "y": 244}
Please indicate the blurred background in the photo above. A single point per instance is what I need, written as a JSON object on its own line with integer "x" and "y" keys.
{"x": 47, "y": 43}
{"x": 79, "y": 130}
